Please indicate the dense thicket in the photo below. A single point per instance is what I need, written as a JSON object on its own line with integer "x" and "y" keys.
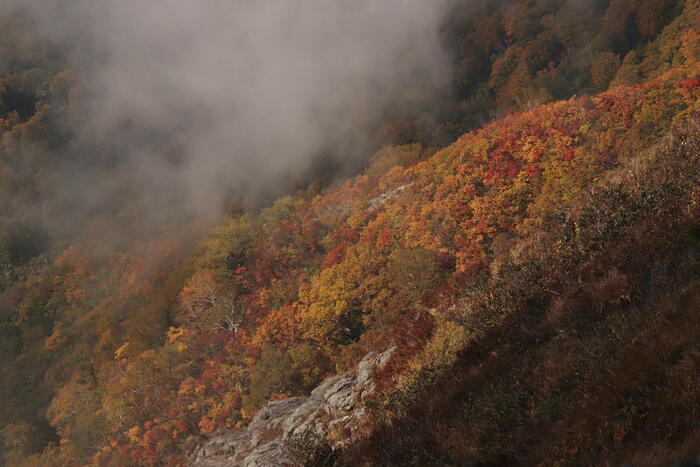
{"x": 522, "y": 270}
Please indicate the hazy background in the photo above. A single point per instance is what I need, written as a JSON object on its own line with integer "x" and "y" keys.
{"x": 197, "y": 101}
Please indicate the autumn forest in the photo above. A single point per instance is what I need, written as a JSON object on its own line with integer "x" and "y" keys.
{"x": 516, "y": 226}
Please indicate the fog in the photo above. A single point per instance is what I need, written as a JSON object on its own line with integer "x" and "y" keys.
{"x": 205, "y": 99}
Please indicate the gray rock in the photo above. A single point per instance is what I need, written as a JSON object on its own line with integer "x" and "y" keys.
{"x": 334, "y": 406}
{"x": 340, "y": 397}
{"x": 218, "y": 450}
{"x": 273, "y": 453}
{"x": 320, "y": 391}
{"x": 297, "y": 422}
{"x": 213, "y": 461}
{"x": 271, "y": 418}
{"x": 379, "y": 201}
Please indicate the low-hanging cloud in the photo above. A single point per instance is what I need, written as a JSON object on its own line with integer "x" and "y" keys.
{"x": 246, "y": 92}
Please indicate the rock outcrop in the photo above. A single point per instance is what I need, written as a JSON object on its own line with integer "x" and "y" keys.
{"x": 336, "y": 406}
{"x": 380, "y": 200}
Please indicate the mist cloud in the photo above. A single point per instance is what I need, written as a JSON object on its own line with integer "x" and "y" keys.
{"x": 245, "y": 92}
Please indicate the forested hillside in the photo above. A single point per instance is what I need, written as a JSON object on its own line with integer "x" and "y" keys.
{"x": 528, "y": 240}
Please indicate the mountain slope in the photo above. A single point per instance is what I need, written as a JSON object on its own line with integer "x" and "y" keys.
{"x": 573, "y": 308}
{"x": 426, "y": 258}
{"x": 579, "y": 347}
{"x": 536, "y": 278}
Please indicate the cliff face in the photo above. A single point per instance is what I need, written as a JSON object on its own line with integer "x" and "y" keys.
{"x": 336, "y": 408}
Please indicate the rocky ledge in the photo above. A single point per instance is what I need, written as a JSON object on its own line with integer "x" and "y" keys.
{"x": 336, "y": 406}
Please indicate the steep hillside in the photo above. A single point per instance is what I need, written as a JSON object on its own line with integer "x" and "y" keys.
{"x": 538, "y": 278}
{"x": 566, "y": 221}
{"x": 579, "y": 344}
